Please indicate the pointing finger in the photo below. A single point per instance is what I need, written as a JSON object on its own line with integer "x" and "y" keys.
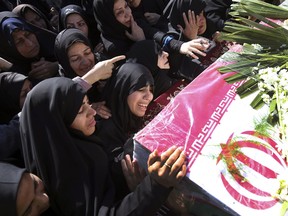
{"x": 117, "y": 58}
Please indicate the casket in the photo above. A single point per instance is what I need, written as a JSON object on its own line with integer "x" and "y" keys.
{"x": 232, "y": 167}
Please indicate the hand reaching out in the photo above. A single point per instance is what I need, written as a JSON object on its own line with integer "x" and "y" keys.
{"x": 169, "y": 168}
{"x": 102, "y": 110}
{"x": 193, "y": 47}
{"x": 4, "y": 64}
{"x": 102, "y": 70}
{"x": 132, "y": 172}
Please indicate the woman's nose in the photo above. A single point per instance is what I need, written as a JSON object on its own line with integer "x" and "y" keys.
{"x": 148, "y": 95}
{"x": 92, "y": 111}
{"x": 84, "y": 61}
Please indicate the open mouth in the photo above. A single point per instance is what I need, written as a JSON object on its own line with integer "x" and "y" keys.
{"x": 143, "y": 106}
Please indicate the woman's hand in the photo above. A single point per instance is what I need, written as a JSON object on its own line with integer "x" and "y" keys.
{"x": 169, "y": 168}
{"x": 102, "y": 70}
{"x": 193, "y": 47}
{"x": 4, "y": 64}
{"x": 132, "y": 172}
{"x": 137, "y": 33}
{"x": 191, "y": 25}
{"x": 102, "y": 110}
{"x": 43, "y": 69}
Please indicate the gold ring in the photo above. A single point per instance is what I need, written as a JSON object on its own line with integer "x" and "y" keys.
{"x": 169, "y": 166}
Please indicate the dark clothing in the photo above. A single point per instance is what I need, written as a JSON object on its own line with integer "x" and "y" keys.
{"x": 129, "y": 78}
{"x": 157, "y": 7}
{"x": 10, "y": 22}
{"x": 178, "y": 7}
{"x": 146, "y": 53}
{"x": 63, "y": 41}
{"x": 182, "y": 66}
{"x": 21, "y": 9}
{"x": 217, "y": 13}
{"x": 93, "y": 33}
{"x": 10, "y": 88}
{"x": 6, "y": 5}
{"x": 10, "y": 177}
{"x": 74, "y": 167}
{"x": 115, "y": 131}
{"x": 42, "y": 5}
{"x": 10, "y": 141}
{"x": 112, "y": 32}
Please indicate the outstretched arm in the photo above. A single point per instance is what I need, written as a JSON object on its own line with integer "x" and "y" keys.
{"x": 102, "y": 70}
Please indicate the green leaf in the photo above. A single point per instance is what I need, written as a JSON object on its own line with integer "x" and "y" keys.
{"x": 247, "y": 88}
{"x": 235, "y": 78}
{"x": 273, "y": 106}
{"x": 258, "y": 101}
{"x": 259, "y": 7}
{"x": 284, "y": 208}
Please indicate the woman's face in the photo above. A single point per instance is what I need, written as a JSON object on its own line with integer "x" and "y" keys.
{"x": 202, "y": 23}
{"x": 74, "y": 20}
{"x": 84, "y": 121}
{"x": 139, "y": 100}
{"x": 32, "y": 199}
{"x": 163, "y": 62}
{"x": 27, "y": 86}
{"x": 81, "y": 58}
{"x": 35, "y": 19}
{"x": 26, "y": 43}
{"x": 122, "y": 12}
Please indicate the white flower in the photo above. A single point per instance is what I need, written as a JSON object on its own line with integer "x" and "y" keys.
{"x": 257, "y": 47}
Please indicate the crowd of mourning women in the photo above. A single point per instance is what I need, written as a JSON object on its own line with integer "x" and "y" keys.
{"x": 78, "y": 79}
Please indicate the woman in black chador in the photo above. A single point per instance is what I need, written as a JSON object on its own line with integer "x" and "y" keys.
{"x": 28, "y": 47}
{"x": 56, "y": 124}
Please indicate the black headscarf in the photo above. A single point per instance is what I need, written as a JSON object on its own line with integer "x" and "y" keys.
{"x": 156, "y": 6}
{"x": 117, "y": 129}
{"x": 180, "y": 6}
{"x": 217, "y": 13}
{"x": 11, "y": 84}
{"x": 146, "y": 52}
{"x": 66, "y": 11}
{"x": 10, "y": 177}
{"x": 9, "y": 22}
{"x": 72, "y": 166}
{"x": 21, "y": 9}
{"x": 107, "y": 23}
{"x": 112, "y": 31}
{"x": 130, "y": 78}
{"x": 93, "y": 33}
{"x": 63, "y": 41}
